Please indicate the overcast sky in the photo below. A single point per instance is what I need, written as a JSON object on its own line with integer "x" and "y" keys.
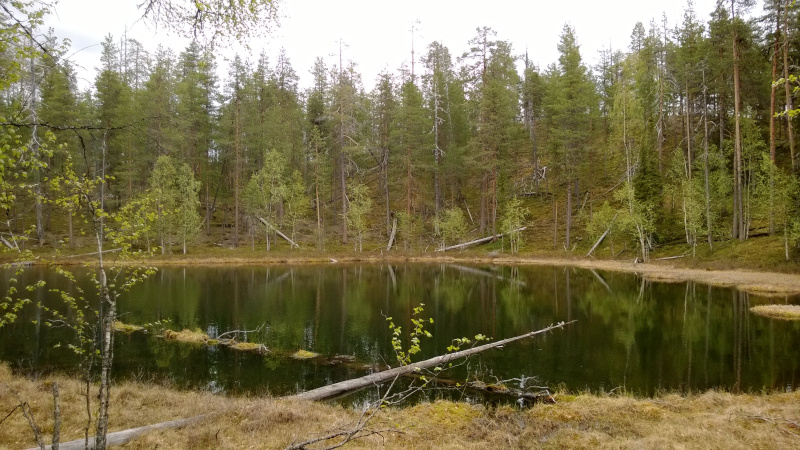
{"x": 377, "y": 34}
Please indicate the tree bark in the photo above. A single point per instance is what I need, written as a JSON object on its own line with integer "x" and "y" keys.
{"x": 738, "y": 207}
{"x": 344, "y": 387}
{"x": 789, "y": 106}
{"x": 391, "y": 236}
{"x": 774, "y": 89}
{"x": 569, "y": 212}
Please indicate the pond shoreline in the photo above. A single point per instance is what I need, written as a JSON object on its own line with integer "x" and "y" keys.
{"x": 763, "y": 283}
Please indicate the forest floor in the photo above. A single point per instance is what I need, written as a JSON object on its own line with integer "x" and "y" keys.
{"x": 704, "y": 420}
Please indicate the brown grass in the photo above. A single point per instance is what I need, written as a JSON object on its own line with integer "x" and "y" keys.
{"x": 126, "y": 327}
{"x": 710, "y": 421}
{"x": 786, "y": 312}
{"x": 249, "y": 347}
{"x": 189, "y": 336}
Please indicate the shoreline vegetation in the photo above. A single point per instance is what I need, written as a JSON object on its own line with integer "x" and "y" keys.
{"x": 699, "y": 420}
{"x": 577, "y": 420}
{"x": 746, "y": 275}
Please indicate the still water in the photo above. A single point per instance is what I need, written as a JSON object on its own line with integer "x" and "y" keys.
{"x": 631, "y": 334}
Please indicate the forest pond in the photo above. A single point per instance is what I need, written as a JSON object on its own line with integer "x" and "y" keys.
{"x": 631, "y": 334}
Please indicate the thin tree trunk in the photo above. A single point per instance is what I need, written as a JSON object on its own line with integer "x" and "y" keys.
{"x": 738, "y": 207}
{"x": 71, "y": 232}
{"x": 555, "y": 222}
{"x": 569, "y": 212}
{"x": 236, "y": 174}
{"x": 705, "y": 165}
{"x": 773, "y": 91}
{"x": 106, "y": 358}
{"x": 56, "y": 418}
{"x": 316, "y": 196}
{"x": 789, "y": 106}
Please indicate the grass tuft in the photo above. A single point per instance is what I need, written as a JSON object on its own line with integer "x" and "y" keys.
{"x": 304, "y": 354}
{"x": 189, "y": 336}
{"x": 126, "y": 327}
{"x": 785, "y": 312}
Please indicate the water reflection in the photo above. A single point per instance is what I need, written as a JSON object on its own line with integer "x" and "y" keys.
{"x": 632, "y": 334}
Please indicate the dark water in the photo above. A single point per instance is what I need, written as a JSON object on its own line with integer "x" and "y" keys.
{"x": 632, "y": 335}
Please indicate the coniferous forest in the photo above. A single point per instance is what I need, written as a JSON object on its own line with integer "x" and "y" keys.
{"x": 686, "y": 136}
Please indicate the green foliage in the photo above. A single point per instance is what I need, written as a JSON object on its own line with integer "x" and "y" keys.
{"x": 602, "y": 218}
{"x": 223, "y": 20}
{"x": 514, "y": 218}
{"x": 297, "y": 203}
{"x": 451, "y": 226}
{"x": 418, "y": 331}
{"x": 174, "y": 192}
{"x": 359, "y": 206}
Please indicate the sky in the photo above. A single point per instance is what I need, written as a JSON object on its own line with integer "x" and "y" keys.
{"x": 376, "y": 34}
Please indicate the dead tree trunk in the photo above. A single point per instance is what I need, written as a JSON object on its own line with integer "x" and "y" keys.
{"x": 344, "y": 387}
{"x": 286, "y": 238}
{"x": 493, "y": 237}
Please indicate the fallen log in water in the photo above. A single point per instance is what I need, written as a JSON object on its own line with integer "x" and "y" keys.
{"x": 344, "y": 387}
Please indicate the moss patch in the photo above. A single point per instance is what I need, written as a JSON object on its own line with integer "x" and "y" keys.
{"x": 786, "y": 312}
{"x": 250, "y": 347}
{"x": 304, "y": 354}
{"x": 125, "y": 327}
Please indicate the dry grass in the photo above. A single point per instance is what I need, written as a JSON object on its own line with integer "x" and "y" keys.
{"x": 304, "y": 354}
{"x": 711, "y": 420}
{"x": 126, "y": 327}
{"x": 189, "y": 336}
{"x": 786, "y": 312}
{"x": 249, "y": 347}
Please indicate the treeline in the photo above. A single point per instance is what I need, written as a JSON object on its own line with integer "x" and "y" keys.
{"x": 684, "y": 136}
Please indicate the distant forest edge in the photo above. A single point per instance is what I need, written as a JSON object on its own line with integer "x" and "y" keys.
{"x": 686, "y": 136}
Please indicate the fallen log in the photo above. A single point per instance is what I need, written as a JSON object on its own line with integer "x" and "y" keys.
{"x": 92, "y": 253}
{"x": 7, "y": 244}
{"x": 478, "y": 241}
{"x": 286, "y": 238}
{"x": 599, "y": 241}
{"x": 125, "y": 436}
{"x": 344, "y": 387}
{"x": 666, "y": 258}
{"x": 394, "y": 232}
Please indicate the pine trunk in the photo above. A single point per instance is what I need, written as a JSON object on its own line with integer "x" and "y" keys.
{"x": 789, "y": 106}
{"x": 738, "y": 207}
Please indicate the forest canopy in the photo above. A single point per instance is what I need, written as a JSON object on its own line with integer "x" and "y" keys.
{"x": 687, "y": 135}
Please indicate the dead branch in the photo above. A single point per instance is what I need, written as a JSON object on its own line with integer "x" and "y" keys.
{"x": 238, "y": 332}
{"x": 358, "y": 431}
{"x": 344, "y": 387}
